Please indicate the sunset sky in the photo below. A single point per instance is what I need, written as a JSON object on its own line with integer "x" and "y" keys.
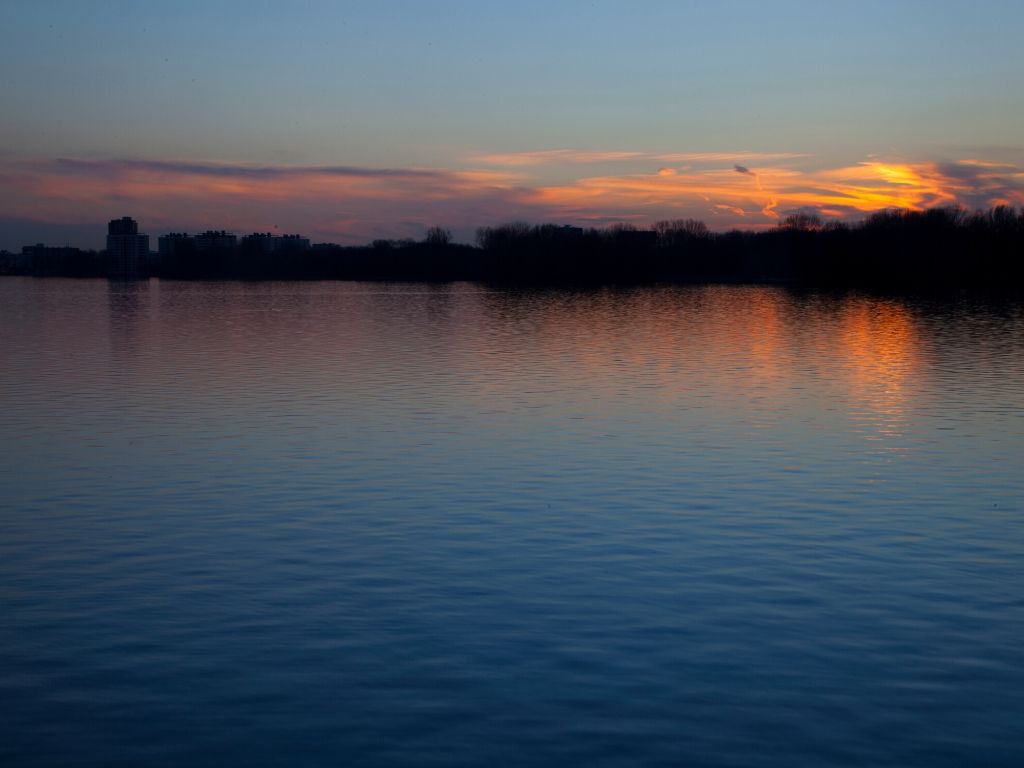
{"x": 348, "y": 122}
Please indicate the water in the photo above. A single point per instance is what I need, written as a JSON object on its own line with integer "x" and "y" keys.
{"x": 365, "y": 524}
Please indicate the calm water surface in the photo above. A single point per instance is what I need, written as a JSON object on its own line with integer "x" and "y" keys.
{"x": 364, "y": 524}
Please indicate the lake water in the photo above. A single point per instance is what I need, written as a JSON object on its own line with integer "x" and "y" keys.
{"x": 378, "y": 524}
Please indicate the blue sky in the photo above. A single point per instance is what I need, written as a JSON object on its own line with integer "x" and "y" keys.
{"x": 440, "y": 85}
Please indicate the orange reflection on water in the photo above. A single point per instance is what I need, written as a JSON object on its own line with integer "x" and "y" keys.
{"x": 733, "y": 364}
{"x": 880, "y": 351}
{"x": 761, "y": 356}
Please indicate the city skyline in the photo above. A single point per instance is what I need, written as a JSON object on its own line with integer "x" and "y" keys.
{"x": 378, "y": 123}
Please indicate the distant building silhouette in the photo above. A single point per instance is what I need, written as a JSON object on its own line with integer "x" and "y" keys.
{"x": 173, "y": 242}
{"x": 126, "y": 248}
{"x": 215, "y": 240}
{"x": 12, "y": 263}
{"x": 44, "y": 260}
{"x": 938, "y": 249}
{"x": 267, "y": 242}
{"x": 123, "y": 226}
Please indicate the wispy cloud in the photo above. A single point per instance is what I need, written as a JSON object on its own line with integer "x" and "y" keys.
{"x": 729, "y": 157}
{"x": 375, "y": 202}
{"x": 553, "y": 157}
{"x": 356, "y": 204}
{"x": 123, "y": 167}
{"x": 747, "y": 172}
{"x": 845, "y": 191}
{"x": 547, "y": 157}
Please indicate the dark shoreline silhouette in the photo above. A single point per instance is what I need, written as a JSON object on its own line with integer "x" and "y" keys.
{"x": 937, "y": 249}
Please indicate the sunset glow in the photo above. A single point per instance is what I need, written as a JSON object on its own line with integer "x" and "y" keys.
{"x": 382, "y": 122}
{"x": 357, "y": 204}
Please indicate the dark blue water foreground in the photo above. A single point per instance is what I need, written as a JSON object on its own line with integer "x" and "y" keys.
{"x": 363, "y": 524}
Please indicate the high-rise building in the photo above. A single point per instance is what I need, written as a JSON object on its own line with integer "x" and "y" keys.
{"x": 123, "y": 226}
{"x": 126, "y": 248}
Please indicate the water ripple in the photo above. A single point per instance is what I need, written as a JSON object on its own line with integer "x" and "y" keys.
{"x": 332, "y": 523}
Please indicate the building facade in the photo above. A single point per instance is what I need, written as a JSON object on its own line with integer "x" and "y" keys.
{"x": 127, "y": 250}
{"x": 267, "y": 242}
{"x": 215, "y": 241}
{"x": 173, "y": 242}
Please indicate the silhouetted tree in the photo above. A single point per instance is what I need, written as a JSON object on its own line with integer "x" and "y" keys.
{"x": 671, "y": 231}
{"x": 802, "y": 222}
{"x": 438, "y": 236}
{"x": 619, "y": 227}
{"x": 895, "y": 250}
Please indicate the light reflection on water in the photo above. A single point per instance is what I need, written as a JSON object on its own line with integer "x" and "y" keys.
{"x": 433, "y": 525}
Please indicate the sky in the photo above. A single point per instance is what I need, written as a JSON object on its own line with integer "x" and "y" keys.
{"x": 348, "y": 122}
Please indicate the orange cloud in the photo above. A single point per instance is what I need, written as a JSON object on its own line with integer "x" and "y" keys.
{"x": 360, "y": 203}
{"x": 858, "y": 189}
{"x": 176, "y": 195}
{"x": 726, "y": 208}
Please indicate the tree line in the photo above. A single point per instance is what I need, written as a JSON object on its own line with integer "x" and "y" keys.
{"x": 940, "y": 248}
